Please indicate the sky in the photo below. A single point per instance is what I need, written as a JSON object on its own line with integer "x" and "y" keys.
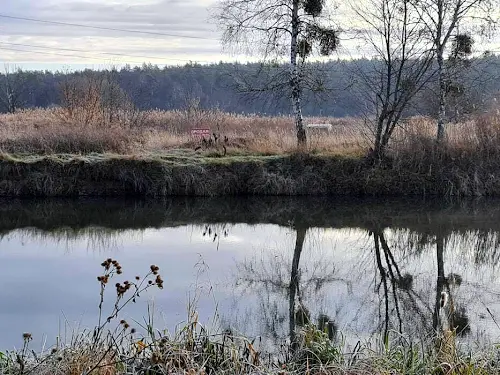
{"x": 30, "y": 44}
{"x": 188, "y": 34}
{"x": 172, "y": 32}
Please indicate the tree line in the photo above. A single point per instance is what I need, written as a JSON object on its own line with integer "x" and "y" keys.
{"x": 219, "y": 86}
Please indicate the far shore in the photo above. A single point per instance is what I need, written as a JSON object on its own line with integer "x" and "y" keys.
{"x": 442, "y": 174}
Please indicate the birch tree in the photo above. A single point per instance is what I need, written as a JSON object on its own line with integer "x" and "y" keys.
{"x": 442, "y": 19}
{"x": 278, "y": 28}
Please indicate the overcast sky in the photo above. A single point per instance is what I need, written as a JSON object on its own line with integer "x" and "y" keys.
{"x": 178, "y": 17}
{"x": 37, "y": 45}
{"x": 192, "y": 37}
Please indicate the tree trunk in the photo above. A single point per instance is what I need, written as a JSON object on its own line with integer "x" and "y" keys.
{"x": 383, "y": 276}
{"x": 294, "y": 283}
{"x": 440, "y": 283}
{"x": 443, "y": 312}
{"x": 381, "y": 140}
{"x": 442, "y": 95}
{"x": 295, "y": 79}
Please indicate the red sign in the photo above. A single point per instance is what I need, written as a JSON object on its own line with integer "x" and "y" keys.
{"x": 200, "y": 132}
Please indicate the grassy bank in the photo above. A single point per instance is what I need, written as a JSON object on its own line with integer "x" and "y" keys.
{"x": 193, "y": 350}
{"x": 47, "y": 153}
{"x": 427, "y": 173}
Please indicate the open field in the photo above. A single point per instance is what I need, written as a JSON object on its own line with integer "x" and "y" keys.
{"x": 153, "y": 153}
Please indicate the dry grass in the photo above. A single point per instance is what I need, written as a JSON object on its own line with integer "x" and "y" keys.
{"x": 42, "y": 152}
{"x": 48, "y": 131}
{"x": 45, "y": 131}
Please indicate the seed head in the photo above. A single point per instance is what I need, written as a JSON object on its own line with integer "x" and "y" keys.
{"x": 159, "y": 282}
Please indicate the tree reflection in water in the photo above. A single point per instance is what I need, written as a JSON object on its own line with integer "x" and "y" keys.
{"x": 276, "y": 279}
{"x": 393, "y": 295}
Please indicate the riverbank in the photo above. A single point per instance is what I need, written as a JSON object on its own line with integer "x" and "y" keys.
{"x": 196, "y": 351}
{"x": 424, "y": 172}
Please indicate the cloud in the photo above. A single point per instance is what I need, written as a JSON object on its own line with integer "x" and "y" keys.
{"x": 173, "y": 17}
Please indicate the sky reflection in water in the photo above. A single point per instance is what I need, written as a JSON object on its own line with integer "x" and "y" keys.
{"x": 371, "y": 271}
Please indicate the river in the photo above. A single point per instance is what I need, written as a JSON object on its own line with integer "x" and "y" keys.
{"x": 364, "y": 268}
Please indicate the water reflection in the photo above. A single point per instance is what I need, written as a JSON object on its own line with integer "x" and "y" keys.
{"x": 392, "y": 283}
{"x": 362, "y": 269}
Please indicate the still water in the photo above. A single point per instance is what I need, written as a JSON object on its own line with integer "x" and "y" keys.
{"x": 368, "y": 267}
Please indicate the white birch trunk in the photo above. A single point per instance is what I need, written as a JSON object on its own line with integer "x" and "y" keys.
{"x": 295, "y": 78}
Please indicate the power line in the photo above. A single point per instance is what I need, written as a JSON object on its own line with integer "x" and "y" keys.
{"x": 48, "y": 53}
{"x": 103, "y": 27}
{"x": 61, "y": 54}
{"x": 271, "y": 67}
{"x": 99, "y": 53}
{"x": 92, "y": 57}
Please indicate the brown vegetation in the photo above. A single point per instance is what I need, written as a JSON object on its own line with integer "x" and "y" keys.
{"x": 116, "y": 346}
{"x": 46, "y": 131}
{"x": 45, "y": 152}
{"x": 127, "y": 131}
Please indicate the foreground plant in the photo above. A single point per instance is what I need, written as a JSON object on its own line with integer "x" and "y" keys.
{"x": 114, "y": 346}
{"x": 104, "y": 350}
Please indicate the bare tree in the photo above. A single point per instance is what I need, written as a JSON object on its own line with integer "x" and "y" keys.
{"x": 392, "y": 29}
{"x": 442, "y": 19}
{"x": 97, "y": 99}
{"x": 276, "y": 28}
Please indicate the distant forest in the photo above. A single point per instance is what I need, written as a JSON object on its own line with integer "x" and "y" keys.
{"x": 335, "y": 88}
